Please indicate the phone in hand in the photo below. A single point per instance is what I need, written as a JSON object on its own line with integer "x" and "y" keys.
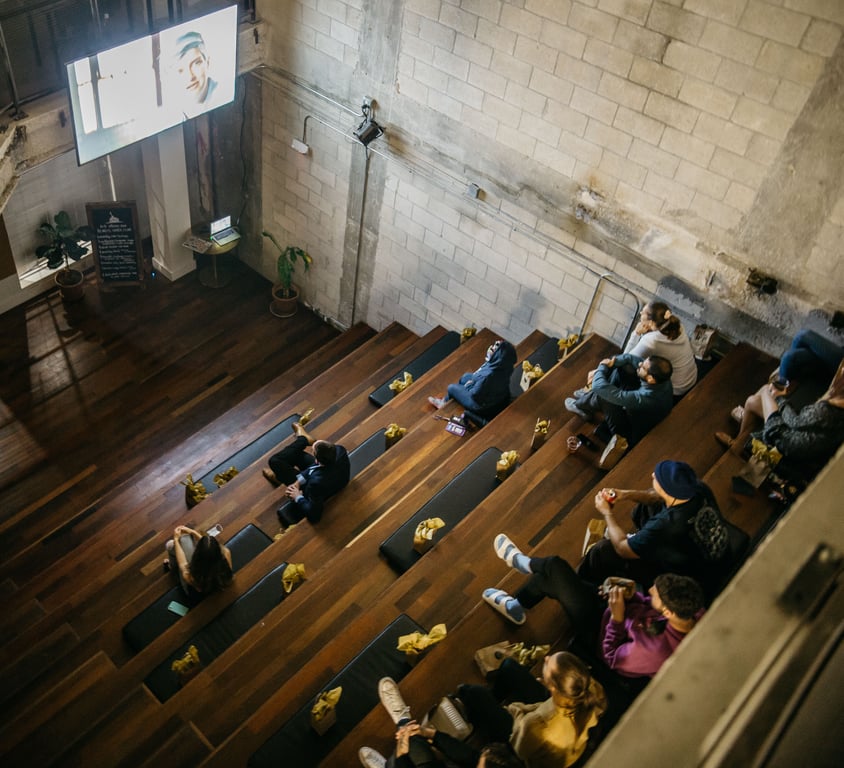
{"x": 177, "y": 608}
{"x": 628, "y": 585}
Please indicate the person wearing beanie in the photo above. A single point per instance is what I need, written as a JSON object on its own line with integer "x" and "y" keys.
{"x": 632, "y": 633}
{"x": 661, "y": 540}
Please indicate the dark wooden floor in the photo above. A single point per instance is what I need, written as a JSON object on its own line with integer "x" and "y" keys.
{"x": 91, "y": 393}
{"x": 107, "y": 405}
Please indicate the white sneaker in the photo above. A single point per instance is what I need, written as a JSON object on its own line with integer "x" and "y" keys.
{"x": 371, "y": 758}
{"x": 392, "y": 700}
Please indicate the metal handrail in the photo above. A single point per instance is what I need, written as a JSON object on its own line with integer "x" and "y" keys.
{"x": 604, "y": 276}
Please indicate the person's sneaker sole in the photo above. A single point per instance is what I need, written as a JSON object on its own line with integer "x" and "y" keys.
{"x": 571, "y": 407}
{"x": 371, "y": 758}
{"x": 392, "y": 700}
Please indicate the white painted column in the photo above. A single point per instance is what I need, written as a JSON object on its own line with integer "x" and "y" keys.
{"x": 165, "y": 173}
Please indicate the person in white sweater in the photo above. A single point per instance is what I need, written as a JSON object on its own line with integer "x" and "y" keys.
{"x": 661, "y": 333}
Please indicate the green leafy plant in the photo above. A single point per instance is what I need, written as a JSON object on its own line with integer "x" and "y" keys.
{"x": 286, "y": 263}
{"x": 64, "y": 241}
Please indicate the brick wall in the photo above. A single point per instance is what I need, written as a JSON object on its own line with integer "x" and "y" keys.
{"x": 671, "y": 120}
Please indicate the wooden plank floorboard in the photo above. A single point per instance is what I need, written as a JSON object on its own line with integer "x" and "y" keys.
{"x": 138, "y": 667}
{"x": 394, "y": 344}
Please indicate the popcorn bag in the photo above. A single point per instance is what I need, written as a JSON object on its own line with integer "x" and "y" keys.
{"x": 505, "y": 465}
{"x": 423, "y": 536}
{"x": 324, "y": 710}
{"x": 540, "y": 433}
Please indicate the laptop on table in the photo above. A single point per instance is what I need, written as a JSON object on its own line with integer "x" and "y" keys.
{"x": 222, "y": 231}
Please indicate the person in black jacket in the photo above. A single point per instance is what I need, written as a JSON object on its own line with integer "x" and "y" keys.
{"x": 414, "y": 742}
{"x": 310, "y": 477}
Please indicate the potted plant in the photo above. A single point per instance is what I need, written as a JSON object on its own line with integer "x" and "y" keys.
{"x": 285, "y": 294}
{"x": 64, "y": 246}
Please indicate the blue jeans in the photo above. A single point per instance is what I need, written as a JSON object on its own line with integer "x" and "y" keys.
{"x": 811, "y": 356}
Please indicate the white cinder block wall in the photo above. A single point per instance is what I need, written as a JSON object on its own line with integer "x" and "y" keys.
{"x": 683, "y": 140}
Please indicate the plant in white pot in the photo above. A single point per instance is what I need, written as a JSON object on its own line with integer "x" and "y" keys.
{"x": 285, "y": 294}
{"x": 63, "y": 246}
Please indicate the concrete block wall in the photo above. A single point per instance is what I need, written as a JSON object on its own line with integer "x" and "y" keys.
{"x": 305, "y": 196}
{"x": 446, "y": 259}
{"x": 658, "y": 139}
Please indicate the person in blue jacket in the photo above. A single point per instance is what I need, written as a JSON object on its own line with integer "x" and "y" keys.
{"x": 487, "y": 390}
{"x": 628, "y": 412}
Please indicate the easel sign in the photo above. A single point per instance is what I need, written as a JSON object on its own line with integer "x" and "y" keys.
{"x": 116, "y": 243}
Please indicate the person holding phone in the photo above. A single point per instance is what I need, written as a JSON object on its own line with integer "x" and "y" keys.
{"x": 807, "y": 438}
{"x": 203, "y": 564}
{"x": 630, "y": 632}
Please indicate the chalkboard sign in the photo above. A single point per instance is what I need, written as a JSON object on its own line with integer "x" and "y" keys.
{"x": 116, "y": 243}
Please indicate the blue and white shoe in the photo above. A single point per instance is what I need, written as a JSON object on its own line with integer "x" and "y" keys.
{"x": 511, "y": 554}
{"x": 510, "y": 608}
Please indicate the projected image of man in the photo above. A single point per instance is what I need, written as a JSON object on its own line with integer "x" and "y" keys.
{"x": 193, "y": 67}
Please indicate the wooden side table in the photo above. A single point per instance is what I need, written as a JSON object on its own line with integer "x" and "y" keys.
{"x": 216, "y": 274}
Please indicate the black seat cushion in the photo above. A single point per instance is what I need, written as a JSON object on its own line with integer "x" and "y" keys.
{"x": 452, "y": 503}
{"x": 297, "y": 744}
{"x": 249, "y": 454}
{"x": 155, "y": 619}
{"x": 218, "y": 635}
{"x": 436, "y": 353}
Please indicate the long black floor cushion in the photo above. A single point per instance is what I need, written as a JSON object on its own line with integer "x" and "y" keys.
{"x": 436, "y": 353}
{"x": 452, "y": 503}
{"x": 155, "y": 619}
{"x": 249, "y": 454}
{"x": 221, "y": 633}
{"x": 359, "y": 459}
{"x": 297, "y": 744}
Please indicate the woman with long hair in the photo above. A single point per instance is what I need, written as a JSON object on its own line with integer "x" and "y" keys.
{"x": 807, "y": 438}
{"x": 203, "y": 564}
{"x": 548, "y": 721}
{"x": 661, "y": 333}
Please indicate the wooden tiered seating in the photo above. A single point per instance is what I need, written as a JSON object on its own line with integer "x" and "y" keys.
{"x": 249, "y": 490}
{"x": 537, "y": 523}
{"x": 88, "y": 699}
{"x": 72, "y": 622}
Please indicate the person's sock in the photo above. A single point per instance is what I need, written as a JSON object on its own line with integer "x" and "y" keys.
{"x": 511, "y": 554}
{"x": 507, "y": 606}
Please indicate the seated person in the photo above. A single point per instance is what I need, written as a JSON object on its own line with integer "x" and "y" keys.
{"x": 487, "y": 390}
{"x": 547, "y": 723}
{"x": 414, "y": 742}
{"x": 202, "y": 563}
{"x": 661, "y": 333}
{"x": 632, "y": 412}
{"x": 806, "y": 438}
{"x": 810, "y": 356}
{"x": 311, "y": 477}
{"x": 632, "y": 636}
{"x": 662, "y": 541}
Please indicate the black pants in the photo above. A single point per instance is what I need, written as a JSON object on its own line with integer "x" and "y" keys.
{"x": 291, "y": 460}
{"x": 602, "y": 560}
{"x": 554, "y": 577}
{"x": 512, "y": 682}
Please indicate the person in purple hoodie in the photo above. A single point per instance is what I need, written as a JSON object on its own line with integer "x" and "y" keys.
{"x": 632, "y": 635}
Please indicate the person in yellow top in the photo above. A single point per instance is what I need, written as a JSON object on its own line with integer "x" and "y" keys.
{"x": 549, "y": 720}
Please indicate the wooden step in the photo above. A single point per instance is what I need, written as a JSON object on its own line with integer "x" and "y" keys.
{"x": 473, "y": 567}
{"x": 138, "y": 667}
{"x": 311, "y": 648}
{"x": 109, "y": 596}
